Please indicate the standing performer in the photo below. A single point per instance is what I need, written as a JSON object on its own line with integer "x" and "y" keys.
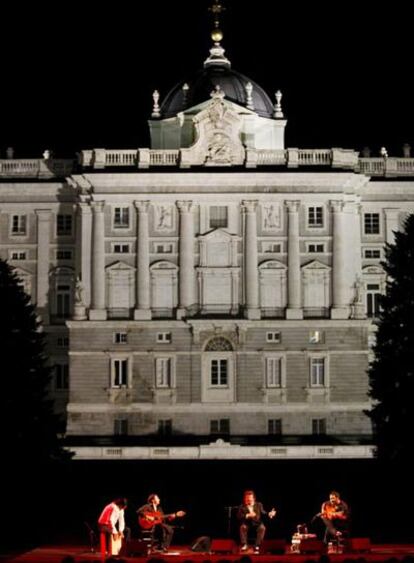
{"x": 250, "y": 515}
{"x": 112, "y": 525}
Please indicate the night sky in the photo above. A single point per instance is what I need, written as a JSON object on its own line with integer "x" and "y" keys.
{"x": 78, "y": 77}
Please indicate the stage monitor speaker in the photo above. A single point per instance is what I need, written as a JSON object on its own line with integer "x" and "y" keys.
{"x": 202, "y": 544}
{"x": 273, "y": 546}
{"x": 359, "y": 544}
{"x": 223, "y": 546}
{"x": 311, "y": 545}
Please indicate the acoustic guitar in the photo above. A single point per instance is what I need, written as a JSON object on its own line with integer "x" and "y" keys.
{"x": 149, "y": 519}
{"x": 330, "y": 512}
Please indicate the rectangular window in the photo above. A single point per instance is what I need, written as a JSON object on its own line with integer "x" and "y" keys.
{"x": 274, "y": 426}
{"x": 273, "y": 372}
{"x": 165, "y": 427}
{"x": 62, "y": 341}
{"x": 317, "y": 372}
{"x": 18, "y": 255}
{"x": 121, "y": 218}
{"x": 220, "y": 426}
{"x": 371, "y": 223}
{"x": 121, "y": 248}
{"x": 272, "y": 247}
{"x": 19, "y": 224}
{"x": 275, "y": 337}
{"x": 121, "y": 426}
{"x": 218, "y": 217}
{"x": 318, "y": 426}
{"x": 63, "y": 225}
{"x": 315, "y": 217}
{"x": 315, "y": 247}
{"x": 64, "y": 254}
{"x": 373, "y": 253}
{"x": 163, "y": 372}
{"x": 63, "y": 301}
{"x": 120, "y": 337}
{"x": 120, "y": 373}
{"x": 373, "y": 300}
{"x": 164, "y": 337}
{"x": 164, "y": 248}
{"x": 219, "y": 373}
{"x": 62, "y": 376}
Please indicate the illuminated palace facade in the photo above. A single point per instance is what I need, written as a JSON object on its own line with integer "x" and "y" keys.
{"x": 213, "y": 295}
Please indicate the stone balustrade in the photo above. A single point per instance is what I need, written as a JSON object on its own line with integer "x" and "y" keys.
{"x": 342, "y": 159}
{"x": 36, "y": 168}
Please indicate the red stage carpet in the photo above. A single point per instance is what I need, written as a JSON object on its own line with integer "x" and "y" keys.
{"x": 179, "y": 554}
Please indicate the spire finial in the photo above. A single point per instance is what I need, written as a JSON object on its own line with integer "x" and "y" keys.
{"x": 217, "y": 56}
{"x": 278, "y": 113}
{"x": 155, "y": 107}
{"x": 217, "y": 8}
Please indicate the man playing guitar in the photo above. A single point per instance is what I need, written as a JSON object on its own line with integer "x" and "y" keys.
{"x": 151, "y": 514}
{"x": 335, "y": 516}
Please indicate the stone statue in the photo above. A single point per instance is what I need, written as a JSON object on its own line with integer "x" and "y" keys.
{"x": 79, "y": 289}
{"x": 219, "y": 150}
{"x": 270, "y": 217}
{"x": 164, "y": 217}
{"x": 359, "y": 290}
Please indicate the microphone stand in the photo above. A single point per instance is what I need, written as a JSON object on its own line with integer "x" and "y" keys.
{"x": 229, "y": 510}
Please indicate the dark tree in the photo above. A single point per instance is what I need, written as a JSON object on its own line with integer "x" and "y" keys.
{"x": 28, "y": 427}
{"x": 391, "y": 373}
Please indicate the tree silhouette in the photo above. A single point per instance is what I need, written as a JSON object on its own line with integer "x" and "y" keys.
{"x": 391, "y": 373}
{"x": 28, "y": 427}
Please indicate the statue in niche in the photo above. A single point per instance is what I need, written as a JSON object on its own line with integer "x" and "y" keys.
{"x": 79, "y": 289}
{"x": 271, "y": 219}
{"x": 164, "y": 217}
{"x": 219, "y": 149}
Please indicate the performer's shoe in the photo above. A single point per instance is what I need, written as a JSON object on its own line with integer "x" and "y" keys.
{"x": 243, "y": 547}
{"x": 257, "y": 549}
{"x": 164, "y": 549}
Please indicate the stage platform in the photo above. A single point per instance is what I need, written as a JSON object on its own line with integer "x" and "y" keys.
{"x": 181, "y": 554}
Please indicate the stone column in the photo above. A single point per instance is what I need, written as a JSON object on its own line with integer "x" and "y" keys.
{"x": 294, "y": 309}
{"x": 43, "y": 263}
{"x": 340, "y": 291}
{"x": 251, "y": 272}
{"x": 97, "y": 311}
{"x": 84, "y": 249}
{"x": 186, "y": 298}
{"x": 391, "y": 224}
{"x": 143, "y": 288}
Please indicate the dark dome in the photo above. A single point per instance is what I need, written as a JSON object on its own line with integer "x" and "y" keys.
{"x": 232, "y": 83}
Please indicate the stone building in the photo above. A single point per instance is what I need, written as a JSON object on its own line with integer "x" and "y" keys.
{"x": 213, "y": 295}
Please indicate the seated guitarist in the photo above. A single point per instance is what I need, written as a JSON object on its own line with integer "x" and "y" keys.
{"x": 151, "y": 515}
{"x": 335, "y": 516}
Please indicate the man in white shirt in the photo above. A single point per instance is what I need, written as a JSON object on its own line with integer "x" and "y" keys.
{"x": 112, "y": 525}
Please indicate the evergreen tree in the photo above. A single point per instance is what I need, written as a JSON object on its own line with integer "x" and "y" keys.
{"x": 391, "y": 373}
{"x": 28, "y": 427}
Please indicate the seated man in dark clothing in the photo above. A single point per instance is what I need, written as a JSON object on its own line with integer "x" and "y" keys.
{"x": 250, "y": 516}
{"x": 335, "y": 515}
{"x": 151, "y": 516}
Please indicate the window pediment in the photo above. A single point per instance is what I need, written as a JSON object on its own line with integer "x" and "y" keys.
{"x": 119, "y": 265}
{"x": 272, "y": 265}
{"x": 315, "y": 266}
